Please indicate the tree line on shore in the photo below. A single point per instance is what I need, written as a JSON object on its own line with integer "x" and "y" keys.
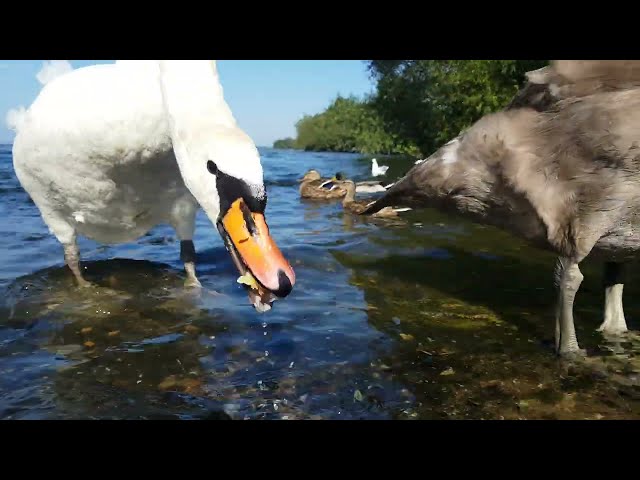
{"x": 417, "y": 106}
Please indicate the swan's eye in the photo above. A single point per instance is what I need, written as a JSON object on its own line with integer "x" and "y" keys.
{"x": 212, "y": 167}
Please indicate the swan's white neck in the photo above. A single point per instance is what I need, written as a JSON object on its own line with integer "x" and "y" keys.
{"x": 192, "y": 92}
{"x": 203, "y": 128}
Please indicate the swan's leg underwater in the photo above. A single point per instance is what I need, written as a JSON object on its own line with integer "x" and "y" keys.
{"x": 188, "y": 256}
{"x": 65, "y": 233}
{"x": 183, "y": 218}
{"x": 614, "y": 322}
{"x": 72, "y": 259}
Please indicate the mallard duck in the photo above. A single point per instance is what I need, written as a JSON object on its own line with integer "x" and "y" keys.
{"x": 558, "y": 168}
{"x": 350, "y": 203}
{"x": 110, "y": 151}
{"x": 312, "y": 185}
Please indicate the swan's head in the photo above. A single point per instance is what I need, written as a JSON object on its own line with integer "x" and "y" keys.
{"x": 226, "y": 178}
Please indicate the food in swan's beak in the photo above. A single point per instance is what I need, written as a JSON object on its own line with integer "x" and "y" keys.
{"x": 263, "y": 269}
{"x": 260, "y": 298}
{"x": 249, "y": 280}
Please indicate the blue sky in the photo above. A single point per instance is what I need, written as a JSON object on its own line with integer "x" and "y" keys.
{"x": 267, "y": 96}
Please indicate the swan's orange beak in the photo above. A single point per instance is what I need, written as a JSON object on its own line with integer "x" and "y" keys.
{"x": 249, "y": 234}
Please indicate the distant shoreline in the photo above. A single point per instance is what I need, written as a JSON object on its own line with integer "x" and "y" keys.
{"x": 383, "y": 155}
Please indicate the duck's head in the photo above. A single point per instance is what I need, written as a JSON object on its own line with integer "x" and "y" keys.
{"x": 226, "y": 178}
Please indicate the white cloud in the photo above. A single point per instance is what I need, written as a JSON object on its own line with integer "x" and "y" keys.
{"x": 15, "y": 117}
{"x": 52, "y": 69}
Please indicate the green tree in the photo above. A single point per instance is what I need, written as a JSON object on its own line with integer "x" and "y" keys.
{"x": 285, "y": 143}
{"x": 348, "y": 125}
{"x": 428, "y": 102}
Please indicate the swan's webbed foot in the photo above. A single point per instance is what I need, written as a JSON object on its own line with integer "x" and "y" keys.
{"x": 614, "y": 323}
{"x": 191, "y": 281}
{"x": 572, "y": 355}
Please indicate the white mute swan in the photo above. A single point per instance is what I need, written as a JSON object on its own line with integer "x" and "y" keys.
{"x": 110, "y": 151}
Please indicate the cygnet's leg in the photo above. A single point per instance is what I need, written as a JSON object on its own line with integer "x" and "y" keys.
{"x": 568, "y": 279}
{"x": 183, "y": 219}
{"x": 614, "y": 322}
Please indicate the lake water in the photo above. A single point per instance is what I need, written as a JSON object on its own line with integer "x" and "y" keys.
{"x": 425, "y": 317}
